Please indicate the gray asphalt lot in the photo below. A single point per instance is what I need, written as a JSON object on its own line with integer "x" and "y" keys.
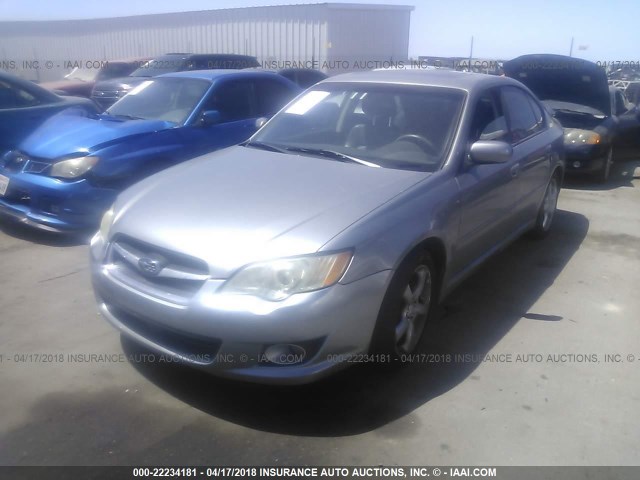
{"x": 519, "y": 376}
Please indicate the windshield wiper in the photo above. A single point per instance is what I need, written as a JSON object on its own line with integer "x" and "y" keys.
{"x": 575, "y": 112}
{"x": 263, "y": 146}
{"x": 128, "y": 117}
{"x": 341, "y": 157}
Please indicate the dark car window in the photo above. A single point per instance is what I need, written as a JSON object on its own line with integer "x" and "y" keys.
{"x": 488, "y": 119}
{"x": 271, "y": 95}
{"x": 234, "y": 100}
{"x": 522, "y": 120}
{"x": 15, "y": 97}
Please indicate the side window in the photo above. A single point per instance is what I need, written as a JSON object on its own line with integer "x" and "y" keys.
{"x": 234, "y": 101}
{"x": 271, "y": 96}
{"x": 488, "y": 120}
{"x": 537, "y": 112}
{"x": 522, "y": 120}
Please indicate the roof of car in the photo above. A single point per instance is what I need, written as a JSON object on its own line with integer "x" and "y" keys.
{"x": 425, "y": 77}
{"x": 216, "y": 73}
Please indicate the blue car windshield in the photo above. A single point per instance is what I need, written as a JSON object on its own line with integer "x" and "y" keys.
{"x": 389, "y": 126}
{"x": 169, "y": 99}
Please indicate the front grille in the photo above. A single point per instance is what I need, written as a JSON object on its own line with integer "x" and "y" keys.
{"x": 177, "y": 274}
{"x": 195, "y": 347}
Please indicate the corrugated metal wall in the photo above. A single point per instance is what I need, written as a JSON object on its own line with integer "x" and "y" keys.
{"x": 277, "y": 34}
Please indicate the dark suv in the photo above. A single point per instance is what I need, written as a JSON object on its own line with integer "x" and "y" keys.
{"x": 106, "y": 93}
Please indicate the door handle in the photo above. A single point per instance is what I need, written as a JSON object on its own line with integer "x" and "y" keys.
{"x": 515, "y": 170}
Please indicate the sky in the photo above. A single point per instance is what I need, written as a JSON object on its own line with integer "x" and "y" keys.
{"x": 603, "y": 30}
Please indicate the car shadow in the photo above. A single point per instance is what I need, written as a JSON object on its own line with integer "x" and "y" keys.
{"x": 622, "y": 175}
{"x": 42, "y": 237}
{"x": 471, "y": 321}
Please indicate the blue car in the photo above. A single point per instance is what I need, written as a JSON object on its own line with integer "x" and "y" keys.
{"x": 69, "y": 171}
{"x": 24, "y": 106}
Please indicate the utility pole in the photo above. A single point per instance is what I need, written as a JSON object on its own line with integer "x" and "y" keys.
{"x": 471, "y": 54}
{"x": 571, "y": 48}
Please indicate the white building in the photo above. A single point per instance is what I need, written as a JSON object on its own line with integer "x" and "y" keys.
{"x": 329, "y": 36}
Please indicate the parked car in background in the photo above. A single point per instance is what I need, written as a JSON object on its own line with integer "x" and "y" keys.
{"x": 577, "y": 91}
{"x": 25, "y": 105}
{"x": 335, "y": 230}
{"x": 106, "y": 93}
{"x": 68, "y": 172}
{"x": 304, "y": 77}
{"x": 626, "y": 142}
{"x": 80, "y": 81}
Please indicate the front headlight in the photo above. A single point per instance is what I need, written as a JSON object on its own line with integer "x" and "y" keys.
{"x": 277, "y": 280}
{"x": 74, "y": 167}
{"x": 105, "y": 223}
{"x": 577, "y": 136}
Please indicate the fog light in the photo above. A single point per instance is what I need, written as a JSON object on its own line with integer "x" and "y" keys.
{"x": 576, "y": 164}
{"x": 285, "y": 354}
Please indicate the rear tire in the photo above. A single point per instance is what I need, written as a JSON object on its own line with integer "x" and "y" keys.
{"x": 547, "y": 211}
{"x": 407, "y": 306}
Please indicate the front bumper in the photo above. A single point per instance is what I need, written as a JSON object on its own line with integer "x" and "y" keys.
{"x": 228, "y": 335}
{"x": 585, "y": 159}
{"x": 54, "y": 205}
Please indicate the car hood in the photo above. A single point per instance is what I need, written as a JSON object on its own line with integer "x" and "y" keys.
{"x": 69, "y": 133}
{"x": 63, "y": 84}
{"x": 241, "y": 205}
{"x": 119, "y": 83}
{"x": 564, "y": 79}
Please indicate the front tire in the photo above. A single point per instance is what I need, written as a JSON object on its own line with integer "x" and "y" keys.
{"x": 407, "y": 306}
{"x": 602, "y": 176}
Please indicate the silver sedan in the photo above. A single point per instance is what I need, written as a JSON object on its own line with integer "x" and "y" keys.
{"x": 333, "y": 232}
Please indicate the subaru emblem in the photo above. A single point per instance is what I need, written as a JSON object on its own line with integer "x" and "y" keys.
{"x": 151, "y": 265}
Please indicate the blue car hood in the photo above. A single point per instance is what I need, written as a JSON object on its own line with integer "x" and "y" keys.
{"x": 67, "y": 134}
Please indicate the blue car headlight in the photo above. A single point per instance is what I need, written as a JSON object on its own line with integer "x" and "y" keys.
{"x": 73, "y": 167}
{"x": 278, "y": 279}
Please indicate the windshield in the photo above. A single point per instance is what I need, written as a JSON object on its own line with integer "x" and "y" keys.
{"x": 158, "y": 66}
{"x": 402, "y": 127}
{"x": 168, "y": 99}
{"x": 82, "y": 74}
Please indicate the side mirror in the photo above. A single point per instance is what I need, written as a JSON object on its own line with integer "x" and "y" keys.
{"x": 210, "y": 117}
{"x": 261, "y": 121}
{"x": 490, "y": 151}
